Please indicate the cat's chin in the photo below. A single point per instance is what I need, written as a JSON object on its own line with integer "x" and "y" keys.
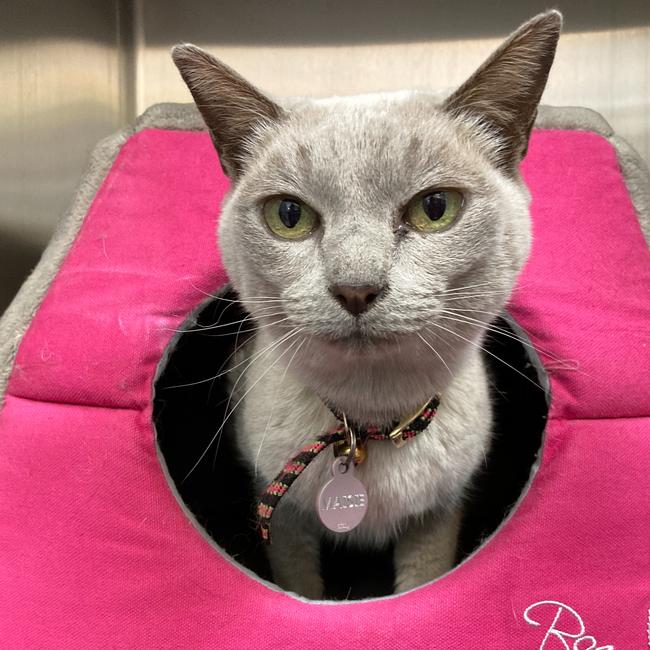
{"x": 359, "y": 344}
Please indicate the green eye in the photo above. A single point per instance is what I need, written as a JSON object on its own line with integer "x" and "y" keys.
{"x": 433, "y": 211}
{"x": 290, "y": 218}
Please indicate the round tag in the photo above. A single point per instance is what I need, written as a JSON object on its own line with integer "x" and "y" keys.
{"x": 342, "y": 502}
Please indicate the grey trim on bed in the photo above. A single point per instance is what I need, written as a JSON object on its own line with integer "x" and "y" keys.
{"x": 15, "y": 321}
{"x": 21, "y": 311}
{"x": 573, "y": 118}
{"x": 185, "y": 117}
{"x": 637, "y": 178}
{"x": 634, "y": 170}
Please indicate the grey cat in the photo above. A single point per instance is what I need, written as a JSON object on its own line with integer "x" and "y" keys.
{"x": 372, "y": 239}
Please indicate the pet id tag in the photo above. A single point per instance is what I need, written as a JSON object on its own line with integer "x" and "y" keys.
{"x": 343, "y": 501}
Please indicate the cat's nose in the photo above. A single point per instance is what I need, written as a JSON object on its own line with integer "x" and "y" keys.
{"x": 358, "y": 299}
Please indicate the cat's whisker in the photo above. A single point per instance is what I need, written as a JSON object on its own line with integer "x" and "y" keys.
{"x": 435, "y": 352}
{"x": 225, "y": 372}
{"x": 495, "y": 314}
{"x": 225, "y": 310}
{"x": 482, "y": 294}
{"x": 236, "y": 349}
{"x": 484, "y": 452}
{"x": 275, "y": 401}
{"x": 258, "y": 328}
{"x": 480, "y": 347}
{"x": 219, "y": 325}
{"x": 235, "y": 300}
{"x": 478, "y": 284}
{"x": 566, "y": 364}
{"x": 492, "y": 328}
{"x": 201, "y": 328}
{"x": 260, "y": 301}
{"x": 251, "y": 360}
{"x": 268, "y": 419}
{"x": 240, "y": 331}
{"x": 255, "y": 356}
{"x": 239, "y": 401}
{"x": 478, "y": 290}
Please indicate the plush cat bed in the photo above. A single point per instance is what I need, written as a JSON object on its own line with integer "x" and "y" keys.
{"x": 97, "y": 551}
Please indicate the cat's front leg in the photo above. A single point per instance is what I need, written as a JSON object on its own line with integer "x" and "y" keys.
{"x": 426, "y": 550}
{"x": 294, "y": 554}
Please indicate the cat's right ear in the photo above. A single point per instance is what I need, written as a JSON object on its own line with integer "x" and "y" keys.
{"x": 503, "y": 94}
{"x": 232, "y": 108}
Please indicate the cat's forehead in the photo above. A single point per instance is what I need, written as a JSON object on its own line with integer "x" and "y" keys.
{"x": 365, "y": 118}
{"x": 400, "y": 139}
{"x": 371, "y": 100}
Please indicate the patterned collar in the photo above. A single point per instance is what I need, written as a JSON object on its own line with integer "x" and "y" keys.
{"x": 344, "y": 437}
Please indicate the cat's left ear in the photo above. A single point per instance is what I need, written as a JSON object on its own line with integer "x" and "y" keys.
{"x": 503, "y": 94}
{"x": 232, "y": 108}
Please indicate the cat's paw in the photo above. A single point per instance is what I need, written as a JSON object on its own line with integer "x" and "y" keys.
{"x": 305, "y": 584}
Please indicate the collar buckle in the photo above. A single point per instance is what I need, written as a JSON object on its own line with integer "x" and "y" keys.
{"x": 395, "y": 436}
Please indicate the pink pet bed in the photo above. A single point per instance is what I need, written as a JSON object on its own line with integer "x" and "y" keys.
{"x": 96, "y": 549}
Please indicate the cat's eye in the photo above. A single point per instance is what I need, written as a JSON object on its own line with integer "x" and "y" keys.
{"x": 433, "y": 211}
{"x": 289, "y": 218}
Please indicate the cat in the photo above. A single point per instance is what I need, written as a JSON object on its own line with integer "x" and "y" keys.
{"x": 372, "y": 239}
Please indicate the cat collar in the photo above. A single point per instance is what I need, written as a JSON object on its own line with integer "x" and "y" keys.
{"x": 341, "y": 436}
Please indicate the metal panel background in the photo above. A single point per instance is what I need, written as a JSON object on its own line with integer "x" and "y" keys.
{"x": 72, "y": 72}
{"x": 63, "y": 89}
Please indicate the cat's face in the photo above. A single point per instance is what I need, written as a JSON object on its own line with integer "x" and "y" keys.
{"x": 345, "y": 172}
{"x": 382, "y": 232}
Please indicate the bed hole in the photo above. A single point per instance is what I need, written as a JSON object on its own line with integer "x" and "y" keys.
{"x": 219, "y": 491}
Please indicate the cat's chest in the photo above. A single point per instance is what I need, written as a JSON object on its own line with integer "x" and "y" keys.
{"x": 275, "y": 416}
{"x": 428, "y": 472}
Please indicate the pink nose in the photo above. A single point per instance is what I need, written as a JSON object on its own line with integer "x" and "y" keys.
{"x": 356, "y": 300}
